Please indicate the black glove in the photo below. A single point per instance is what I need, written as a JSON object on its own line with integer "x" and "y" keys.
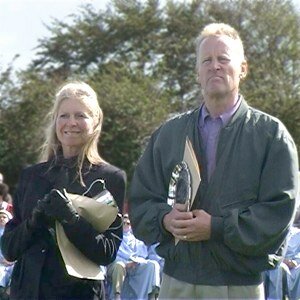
{"x": 59, "y": 207}
{"x": 38, "y": 218}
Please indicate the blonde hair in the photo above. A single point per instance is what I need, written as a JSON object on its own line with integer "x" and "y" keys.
{"x": 217, "y": 29}
{"x": 87, "y": 96}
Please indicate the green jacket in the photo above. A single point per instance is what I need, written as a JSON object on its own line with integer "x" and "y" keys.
{"x": 250, "y": 196}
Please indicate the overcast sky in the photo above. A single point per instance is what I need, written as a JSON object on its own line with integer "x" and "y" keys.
{"x": 22, "y": 24}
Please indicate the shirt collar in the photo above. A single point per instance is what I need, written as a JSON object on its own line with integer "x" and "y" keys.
{"x": 225, "y": 117}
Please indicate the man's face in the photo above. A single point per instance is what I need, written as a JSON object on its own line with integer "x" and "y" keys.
{"x": 221, "y": 66}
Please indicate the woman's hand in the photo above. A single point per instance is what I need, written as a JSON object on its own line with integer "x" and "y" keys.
{"x": 59, "y": 207}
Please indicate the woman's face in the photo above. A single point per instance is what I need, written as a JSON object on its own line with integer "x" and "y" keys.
{"x": 74, "y": 125}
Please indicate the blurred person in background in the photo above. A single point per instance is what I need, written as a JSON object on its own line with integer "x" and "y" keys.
{"x": 8, "y": 197}
{"x": 284, "y": 280}
{"x": 134, "y": 264}
{"x": 3, "y": 195}
{"x": 6, "y": 267}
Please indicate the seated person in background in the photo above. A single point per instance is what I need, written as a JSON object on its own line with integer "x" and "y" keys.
{"x": 3, "y": 195}
{"x": 142, "y": 274}
{"x": 6, "y": 267}
{"x": 8, "y": 197}
{"x": 152, "y": 254}
{"x": 290, "y": 266}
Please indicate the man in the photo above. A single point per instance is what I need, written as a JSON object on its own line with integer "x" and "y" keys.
{"x": 237, "y": 225}
{"x": 133, "y": 261}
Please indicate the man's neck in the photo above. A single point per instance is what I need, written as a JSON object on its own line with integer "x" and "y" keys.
{"x": 216, "y": 106}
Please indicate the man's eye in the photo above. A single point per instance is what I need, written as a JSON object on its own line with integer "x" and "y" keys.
{"x": 224, "y": 59}
{"x": 206, "y": 60}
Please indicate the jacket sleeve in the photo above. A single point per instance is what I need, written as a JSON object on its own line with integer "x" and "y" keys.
{"x": 148, "y": 193}
{"x": 262, "y": 227}
{"x": 100, "y": 247}
{"x": 18, "y": 236}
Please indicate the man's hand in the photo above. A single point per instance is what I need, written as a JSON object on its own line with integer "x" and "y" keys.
{"x": 201, "y": 226}
{"x": 188, "y": 226}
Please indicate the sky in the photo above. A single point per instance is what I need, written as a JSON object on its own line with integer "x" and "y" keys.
{"x": 22, "y": 23}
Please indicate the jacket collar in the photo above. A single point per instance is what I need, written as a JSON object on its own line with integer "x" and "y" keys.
{"x": 240, "y": 112}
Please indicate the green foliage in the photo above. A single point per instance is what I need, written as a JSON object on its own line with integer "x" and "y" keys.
{"x": 140, "y": 58}
{"x": 133, "y": 106}
{"x": 22, "y": 123}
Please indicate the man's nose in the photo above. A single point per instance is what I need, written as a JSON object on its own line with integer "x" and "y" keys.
{"x": 215, "y": 64}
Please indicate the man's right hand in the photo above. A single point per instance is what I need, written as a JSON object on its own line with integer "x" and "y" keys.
{"x": 189, "y": 226}
{"x": 173, "y": 221}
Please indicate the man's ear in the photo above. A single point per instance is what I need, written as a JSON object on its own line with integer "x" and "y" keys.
{"x": 244, "y": 69}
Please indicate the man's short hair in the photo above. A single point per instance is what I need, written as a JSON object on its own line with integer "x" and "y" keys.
{"x": 215, "y": 29}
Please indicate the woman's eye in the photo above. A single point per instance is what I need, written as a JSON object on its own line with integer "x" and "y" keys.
{"x": 63, "y": 116}
{"x": 81, "y": 116}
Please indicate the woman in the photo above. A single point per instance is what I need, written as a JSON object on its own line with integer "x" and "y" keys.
{"x": 72, "y": 162}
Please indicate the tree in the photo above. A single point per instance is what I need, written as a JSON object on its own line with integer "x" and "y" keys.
{"x": 133, "y": 106}
{"x": 140, "y": 56}
{"x": 22, "y": 123}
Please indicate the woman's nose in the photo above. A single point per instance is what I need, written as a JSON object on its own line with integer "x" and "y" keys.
{"x": 72, "y": 121}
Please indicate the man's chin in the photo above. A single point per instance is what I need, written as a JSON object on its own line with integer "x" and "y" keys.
{"x": 217, "y": 94}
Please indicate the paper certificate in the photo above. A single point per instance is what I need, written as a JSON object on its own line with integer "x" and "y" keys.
{"x": 190, "y": 159}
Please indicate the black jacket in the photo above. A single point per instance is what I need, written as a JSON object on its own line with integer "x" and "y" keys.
{"x": 39, "y": 272}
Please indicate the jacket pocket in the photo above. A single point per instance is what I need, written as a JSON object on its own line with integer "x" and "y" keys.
{"x": 27, "y": 273}
{"x": 240, "y": 204}
{"x": 228, "y": 260}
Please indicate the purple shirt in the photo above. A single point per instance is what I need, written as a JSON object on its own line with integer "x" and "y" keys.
{"x": 209, "y": 129}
